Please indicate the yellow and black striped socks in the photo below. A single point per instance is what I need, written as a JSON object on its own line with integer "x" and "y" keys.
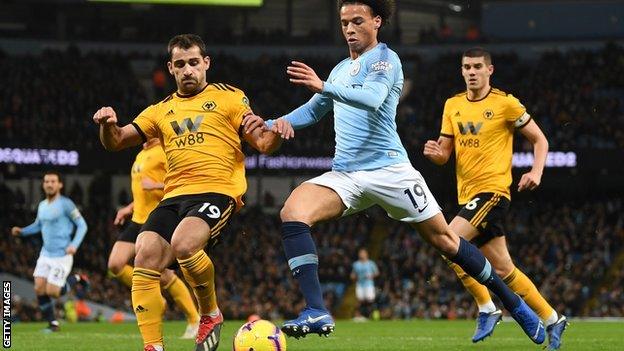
{"x": 183, "y": 299}
{"x": 478, "y": 291}
{"x": 523, "y": 286}
{"x": 147, "y": 302}
{"x": 125, "y": 275}
{"x": 199, "y": 272}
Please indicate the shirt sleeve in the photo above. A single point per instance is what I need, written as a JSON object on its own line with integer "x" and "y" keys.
{"x": 145, "y": 123}
{"x": 380, "y": 78}
{"x": 309, "y": 113}
{"x": 73, "y": 213}
{"x": 240, "y": 107}
{"x": 33, "y": 228}
{"x": 446, "y": 129}
{"x": 516, "y": 113}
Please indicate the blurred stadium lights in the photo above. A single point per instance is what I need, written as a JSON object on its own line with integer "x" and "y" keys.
{"x": 455, "y": 7}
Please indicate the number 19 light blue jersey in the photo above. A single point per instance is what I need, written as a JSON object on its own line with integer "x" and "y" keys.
{"x": 364, "y": 94}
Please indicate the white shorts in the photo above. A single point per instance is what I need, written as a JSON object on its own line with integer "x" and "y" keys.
{"x": 54, "y": 269}
{"x": 399, "y": 189}
{"x": 365, "y": 293}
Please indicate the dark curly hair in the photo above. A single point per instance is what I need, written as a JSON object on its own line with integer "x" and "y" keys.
{"x": 381, "y": 8}
{"x": 187, "y": 41}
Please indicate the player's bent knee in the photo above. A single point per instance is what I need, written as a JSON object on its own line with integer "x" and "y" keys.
{"x": 53, "y": 291}
{"x": 148, "y": 257}
{"x": 115, "y": 265}
{"x": 184, "y": 249}
{"x": 295, "y": 213}
{"x": 40, "y": 291}
{"x": 505, "y": 268}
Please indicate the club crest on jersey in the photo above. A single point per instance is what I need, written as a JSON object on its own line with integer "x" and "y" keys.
{"x": 245, "y": 101}
{"x": 488, "y": 114}
{"x": 209, "y": 105}
{"x": 355, "y": 68}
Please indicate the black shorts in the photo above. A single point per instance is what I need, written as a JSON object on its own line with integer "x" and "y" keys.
{"x": 486, "y": 212}
{"x": 130, "y": 232}
{"x": 215, "y": 209}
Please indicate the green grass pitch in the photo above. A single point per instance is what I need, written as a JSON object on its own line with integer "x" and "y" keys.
{"x": 386, "y": 335}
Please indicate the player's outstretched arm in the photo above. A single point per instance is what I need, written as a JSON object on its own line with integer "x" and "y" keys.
{"x": 438, "y": 151}
{"x": 256, "y": 133}
{"x": 30, "y": 229}
{"x": 533, "y": 178}
{"x": 113, "y": 137}
{"x": 370, "y": 97}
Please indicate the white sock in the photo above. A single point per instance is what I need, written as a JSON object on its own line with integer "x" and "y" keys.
{"x": 489, "y": 307}
{"x": 552, "y": 319}
{"x": 214, "y": 313}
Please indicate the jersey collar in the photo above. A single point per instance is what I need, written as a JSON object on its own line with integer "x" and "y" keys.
{"x": 483, "y": 98}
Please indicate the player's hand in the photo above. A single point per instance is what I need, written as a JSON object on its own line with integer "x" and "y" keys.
{"x": 105, "y": 115}
{"x": 529, "y": 181}
{"x": 302, "y": 74}
{"x": 432, "y": 150}
{"x": 121, "y": 216}
{"x": 282, "y": 127}
{"x": 70, "y": 250}
{"x": 15, "y": 231}
{"x": 252, "y": 122}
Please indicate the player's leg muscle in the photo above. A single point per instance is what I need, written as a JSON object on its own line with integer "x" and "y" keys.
{"x": 463, "y": 228}
{"x": 190, "y": 236}
{"x": 120, "y": 255}
{"x": 496, "y": 252}
{"x": 53, "y": 290}
{"x": 152, "y": 252}
{"x": 311, "y": 203}
{"x": 40, "y": 286}
{"x": 436, "y": 232}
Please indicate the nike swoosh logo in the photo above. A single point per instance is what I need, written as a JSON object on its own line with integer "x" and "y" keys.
{"x": 316, "y": 319}
{"x": 424, "y": 208}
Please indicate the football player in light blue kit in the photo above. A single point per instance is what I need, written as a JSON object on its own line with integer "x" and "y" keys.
{"x": 364, "y": 273}
{"x": 370, "y": 167}
{"x": 56, "y": 218}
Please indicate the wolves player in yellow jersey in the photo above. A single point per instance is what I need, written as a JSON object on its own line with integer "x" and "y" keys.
{"x": 201, "y": 127}
{"x": 479, "y": 124}
{"x": 148, "y": 174}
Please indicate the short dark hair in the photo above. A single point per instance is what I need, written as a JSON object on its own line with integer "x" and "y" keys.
{"x": 381, "y": 8}
{"x": 187, "y": 41}
{"x": 52, "y": 172}
{"x": 478, "y": 51}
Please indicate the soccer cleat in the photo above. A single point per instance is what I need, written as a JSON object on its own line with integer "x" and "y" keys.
{"x": 191, "y": 331}
{"x": 310, "y": 321}
{"x": 529, "y": 322}
{"x": 485, "y": 324}
{"x": 208, "y": 333}
{"x": 53, "y": 327}
{"x": 153, "y": 348}
{"x": 555, "y": 331}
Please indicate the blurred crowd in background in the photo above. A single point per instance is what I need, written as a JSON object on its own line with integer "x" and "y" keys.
{"x": 569, "y": 249}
